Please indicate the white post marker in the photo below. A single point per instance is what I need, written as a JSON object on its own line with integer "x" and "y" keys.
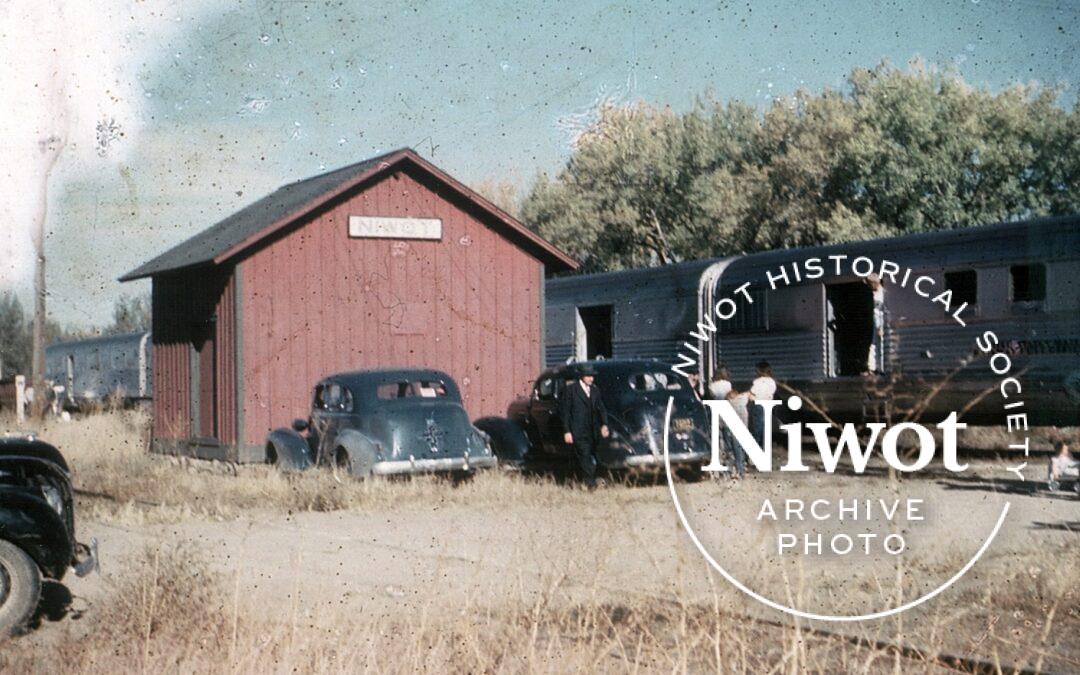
{"x": 20, "y": 398}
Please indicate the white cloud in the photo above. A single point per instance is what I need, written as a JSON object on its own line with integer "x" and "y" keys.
{"x": 70, "y": 70}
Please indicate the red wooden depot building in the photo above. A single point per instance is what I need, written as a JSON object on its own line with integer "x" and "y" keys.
{"x": 386, "y": 262}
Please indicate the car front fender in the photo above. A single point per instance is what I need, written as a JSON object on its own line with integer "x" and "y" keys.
{"x": 28, "y": 521}
{"x": 288, "y": 450}
{"x": 362, "y": 450}
{"x": 508, "y": 439}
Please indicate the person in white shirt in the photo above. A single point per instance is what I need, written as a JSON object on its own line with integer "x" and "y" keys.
{"x": 721, "y": 389}
{"x": 762, "y": 389}
{"x": 1062, "y": 465}
{"x": 721, "y": 384}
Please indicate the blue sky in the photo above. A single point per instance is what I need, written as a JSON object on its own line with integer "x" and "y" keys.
{"x": 225, "y": 101}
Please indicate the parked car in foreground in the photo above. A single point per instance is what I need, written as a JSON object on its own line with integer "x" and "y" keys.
{"x": 37, "y": 528}
{"x": 635, "y": 394}
{"x": 384, "y": 422}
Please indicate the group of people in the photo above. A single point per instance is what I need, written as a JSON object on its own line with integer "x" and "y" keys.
{"x": 586, "y": 424}
{"x": 763, "y": 388}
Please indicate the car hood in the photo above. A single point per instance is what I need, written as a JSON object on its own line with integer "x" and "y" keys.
{"x": 641, "y": 424}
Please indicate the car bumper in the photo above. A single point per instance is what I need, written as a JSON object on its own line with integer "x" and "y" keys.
{"x": 440, "y": 465}
{"x": 656, "y": 462}
{"x": 86, "y": 558}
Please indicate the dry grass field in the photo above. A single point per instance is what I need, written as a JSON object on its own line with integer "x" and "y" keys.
{"x": 211, "y": 568}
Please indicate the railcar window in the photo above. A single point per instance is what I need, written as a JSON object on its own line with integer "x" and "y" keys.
{"x": 749, "y": 316}
{"x": 1028, "y": 282}
{"x": 964, "y": 285}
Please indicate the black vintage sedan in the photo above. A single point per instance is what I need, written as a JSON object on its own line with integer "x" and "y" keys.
{"x": 384, "y": 422}
{"x": 635, "y": 394}
{"x": 37, "y": 527}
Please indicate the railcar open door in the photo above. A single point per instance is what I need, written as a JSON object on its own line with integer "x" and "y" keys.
{"x": 849, "y": 328}
{"x": 592, "y": 338}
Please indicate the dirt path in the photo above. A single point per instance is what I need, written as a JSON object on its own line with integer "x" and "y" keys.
{"x": 623, "y": 540}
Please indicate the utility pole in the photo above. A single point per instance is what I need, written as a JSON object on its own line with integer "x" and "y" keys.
{"x": 51, "y": 147}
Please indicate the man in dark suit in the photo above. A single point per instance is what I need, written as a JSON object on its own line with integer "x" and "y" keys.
{"x": 585, "y": 422}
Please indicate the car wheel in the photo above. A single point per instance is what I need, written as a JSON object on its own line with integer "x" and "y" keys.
{"x": 20, "y": 588}
{"x": 342, "y": 464}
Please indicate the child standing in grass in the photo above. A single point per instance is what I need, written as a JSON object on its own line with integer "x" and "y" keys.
{"x": 1062, "y": 465}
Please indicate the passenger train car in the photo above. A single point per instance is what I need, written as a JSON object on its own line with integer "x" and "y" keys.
{"x": 1019, "y": 280}
{"x": 95, "y": 370}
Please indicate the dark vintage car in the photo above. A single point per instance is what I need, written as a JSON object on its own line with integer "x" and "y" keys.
{"x": 383, "y": 422}
{"x": 37, "y": 527}
{"x": 635, "y": 394}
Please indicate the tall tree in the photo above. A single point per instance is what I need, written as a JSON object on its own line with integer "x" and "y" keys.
{"x": 131, "y": 313}
{"x": 896, "y": 151}
{"x": 14, "y": 336}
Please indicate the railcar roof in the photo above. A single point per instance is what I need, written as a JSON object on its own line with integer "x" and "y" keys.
{"x": 1042, "y": 238}
{"x": 1038, "y": 238}
{"x": 690, "y": 269}
{"x": 100, "y": 340}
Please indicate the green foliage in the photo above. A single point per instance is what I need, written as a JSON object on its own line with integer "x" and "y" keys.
{"x": 896, "y": 152}
{"x": 15, "y": 334}
{"x": 130, "y": 314}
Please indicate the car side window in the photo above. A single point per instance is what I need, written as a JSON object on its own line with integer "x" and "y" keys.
{"x": 334, "y": 397}
{"x": 545, "y": 389}
{"x": 346, "y": 400}
{"x": 319, "y": 403}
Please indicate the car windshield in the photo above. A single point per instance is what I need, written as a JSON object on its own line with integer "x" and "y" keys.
{"x": 656, "y": 381}
{"x": 626, "y": 389}
{"x": 410, "y": 389}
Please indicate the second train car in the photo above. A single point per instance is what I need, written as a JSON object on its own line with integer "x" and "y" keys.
{"x": 1020, "y": 280}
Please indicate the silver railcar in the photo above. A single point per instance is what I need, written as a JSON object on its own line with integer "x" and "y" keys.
{"x": 1021, "y": 280}
{"x": 95, "y": 370}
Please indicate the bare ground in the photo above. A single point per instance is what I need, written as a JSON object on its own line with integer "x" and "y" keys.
{"x": 419, "y": 553}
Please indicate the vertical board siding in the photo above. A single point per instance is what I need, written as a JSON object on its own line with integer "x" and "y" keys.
{"x": 183, "y": 304}
{"x": 225, "y": 312}
{"x": 317, "y": 302}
